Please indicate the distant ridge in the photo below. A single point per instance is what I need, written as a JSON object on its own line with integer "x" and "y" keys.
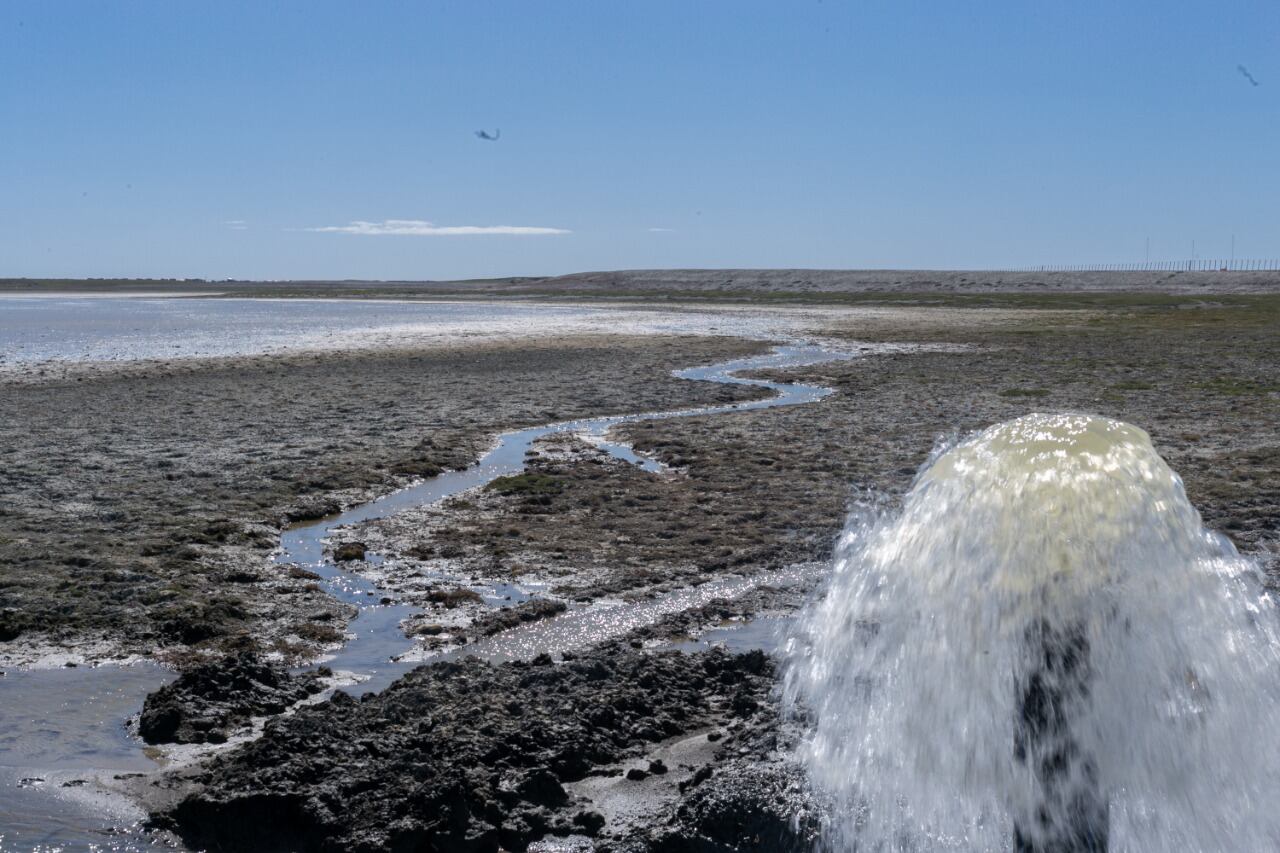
{"x": 674, "y": 283}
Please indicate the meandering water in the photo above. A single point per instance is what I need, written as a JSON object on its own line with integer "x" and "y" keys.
{"x": 61, "y": 729}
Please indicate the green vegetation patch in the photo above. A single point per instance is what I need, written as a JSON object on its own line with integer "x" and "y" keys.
{"x": 1236, "y": 386}
{"x": 527, "y": 484}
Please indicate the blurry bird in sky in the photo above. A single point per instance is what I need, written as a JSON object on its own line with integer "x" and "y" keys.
{"x": 1245, "y": 72}
{"x": 493, "y": 137}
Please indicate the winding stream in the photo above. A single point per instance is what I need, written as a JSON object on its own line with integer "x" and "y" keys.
{"x": 62, "y": 732}
{"x": 378, "y": 641}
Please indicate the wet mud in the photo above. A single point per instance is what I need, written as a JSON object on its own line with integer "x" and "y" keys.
{"x": 139, "y": 508}
{"x": 468, "y": 755}
{"x": 462, "y": 756}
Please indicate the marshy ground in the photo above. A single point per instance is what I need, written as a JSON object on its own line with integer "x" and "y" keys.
{"x": 141, "y": 507}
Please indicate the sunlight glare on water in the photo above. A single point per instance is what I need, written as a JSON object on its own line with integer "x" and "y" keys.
{"x": 1046, "y": 644}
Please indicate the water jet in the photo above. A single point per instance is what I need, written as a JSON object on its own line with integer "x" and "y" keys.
{"x": 1042, "y": 650}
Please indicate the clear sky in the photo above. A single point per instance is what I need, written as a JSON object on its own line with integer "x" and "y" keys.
{"x": 221, "y": 139}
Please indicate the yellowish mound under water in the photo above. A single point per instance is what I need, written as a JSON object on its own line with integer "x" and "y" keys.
{"x": 1050, "y": 496}
{"x": 1052, "y": 559}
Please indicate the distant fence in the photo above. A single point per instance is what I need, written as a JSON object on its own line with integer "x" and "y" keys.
{"x": 1196, "y": 265}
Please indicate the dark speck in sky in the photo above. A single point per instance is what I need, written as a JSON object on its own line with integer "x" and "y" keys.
{"x": 1245, "y": 73}
{"x": 492, "y": 137}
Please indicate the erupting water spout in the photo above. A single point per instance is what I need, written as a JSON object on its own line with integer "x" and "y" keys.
{"x": 1043, "y": 651}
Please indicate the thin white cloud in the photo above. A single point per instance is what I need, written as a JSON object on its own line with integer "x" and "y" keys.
{"x": 421, "y": 228}
{"x": 236, "y": 224}
{"x": 661, "y": 230}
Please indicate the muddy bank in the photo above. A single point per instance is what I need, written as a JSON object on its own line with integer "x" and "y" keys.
{"x": 738, "y": 494}
{"x": 140, "y": 506}
{"x": 747, "y": 493}
{"x": 776, "y": 485}
{"x": 212, "y": 700}
{"x": 462, "y": 756}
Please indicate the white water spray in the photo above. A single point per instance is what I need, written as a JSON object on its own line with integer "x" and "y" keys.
{"x": 1044, "y": 650}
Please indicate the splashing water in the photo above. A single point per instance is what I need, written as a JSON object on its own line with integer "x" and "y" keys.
{"x": 1045, "y": 650}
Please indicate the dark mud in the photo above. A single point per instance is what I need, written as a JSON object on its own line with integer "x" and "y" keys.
{"x": 464, "y": 756}
{"x": 1202, "y": 382}
{"x": 475, "y": 747}
{"x": 747, "y": 492}
{"x": 140, "y": 507}
{"x": 211, "y": 701}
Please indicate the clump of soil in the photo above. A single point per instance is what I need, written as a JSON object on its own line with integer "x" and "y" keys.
{"x": 466, "y": 756}
{"x": 210, "y": 701}
{"x": 504, "y": 618}
{"x": 349, "y": 551}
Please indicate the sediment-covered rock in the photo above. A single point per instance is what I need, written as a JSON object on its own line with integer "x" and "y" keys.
{"x": 210, "y": 701}
{"x": 458, "y": 756}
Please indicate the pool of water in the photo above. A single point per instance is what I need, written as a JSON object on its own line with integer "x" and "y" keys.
{"x": 63, "y": 731}
{"x": 63, "y": 734}
{"x": 78, "y": 328}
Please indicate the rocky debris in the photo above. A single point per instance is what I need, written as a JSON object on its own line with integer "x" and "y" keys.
{"x": 348, "y": 551}
{"x": 211, "y": 700}
{"x": 505, "y": 618}
{"x": 458, "y": 756}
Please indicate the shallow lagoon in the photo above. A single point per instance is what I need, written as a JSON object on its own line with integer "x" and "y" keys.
{"x": 62, "y": 329}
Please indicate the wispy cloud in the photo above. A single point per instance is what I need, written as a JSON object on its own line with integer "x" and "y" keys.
{"x": 236, "y": 224}
{"x": 422, "y": 228}
{"x": 661, "y": 230}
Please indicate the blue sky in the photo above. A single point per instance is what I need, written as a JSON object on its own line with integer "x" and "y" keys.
{"x": 210, "y": 140}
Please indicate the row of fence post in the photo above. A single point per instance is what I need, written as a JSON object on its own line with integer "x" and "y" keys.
{"x": 1195, "y": 265}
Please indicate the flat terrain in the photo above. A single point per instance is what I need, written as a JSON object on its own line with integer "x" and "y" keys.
{"x": 757, "y": 491}
{"x": 748, "y": 492}
{"x": 140, "y": 508}
{"x": 745, "y": 285}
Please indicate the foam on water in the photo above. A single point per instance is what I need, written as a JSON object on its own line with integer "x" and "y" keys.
{"x": 1045, "y": 637}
